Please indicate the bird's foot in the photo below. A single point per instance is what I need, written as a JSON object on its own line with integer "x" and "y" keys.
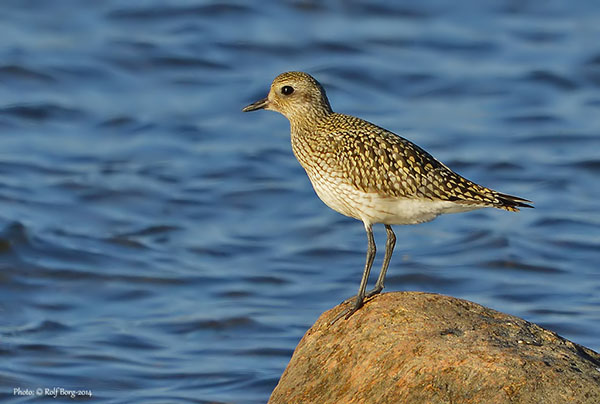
{"x": 369, "y": 294}
{"x": 375, "y": 291}
{"x": 346, "y": 313}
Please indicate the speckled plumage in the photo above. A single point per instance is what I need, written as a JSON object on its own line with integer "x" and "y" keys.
{"x": 369, "y": 173}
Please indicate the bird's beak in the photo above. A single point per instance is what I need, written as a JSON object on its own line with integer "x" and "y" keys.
{"x": 260, "y": 104}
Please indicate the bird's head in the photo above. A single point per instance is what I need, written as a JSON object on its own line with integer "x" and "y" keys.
{"x": 296, "y": 95}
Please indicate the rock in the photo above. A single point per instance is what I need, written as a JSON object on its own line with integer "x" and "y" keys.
{"x": 411, "y": 347}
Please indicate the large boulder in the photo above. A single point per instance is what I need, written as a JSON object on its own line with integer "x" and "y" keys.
{"x": 410, "y": 347}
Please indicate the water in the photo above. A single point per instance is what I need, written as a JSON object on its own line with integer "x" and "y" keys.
{"x": 157, "y": 245}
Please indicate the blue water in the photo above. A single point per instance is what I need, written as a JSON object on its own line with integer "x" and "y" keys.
{"x": 157, "y": 245}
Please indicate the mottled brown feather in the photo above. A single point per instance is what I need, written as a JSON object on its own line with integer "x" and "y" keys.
{"x": 376, "y": 160}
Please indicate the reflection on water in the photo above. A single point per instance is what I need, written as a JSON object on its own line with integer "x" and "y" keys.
{"x": 157, "y": 245}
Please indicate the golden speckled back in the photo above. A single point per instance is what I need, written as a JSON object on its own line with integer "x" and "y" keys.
{"x": 374, "y": 160}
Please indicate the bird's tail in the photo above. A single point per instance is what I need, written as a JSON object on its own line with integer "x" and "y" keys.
{"x": 510, "y": 203}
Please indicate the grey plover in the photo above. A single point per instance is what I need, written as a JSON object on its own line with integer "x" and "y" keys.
{"x": 371, "y": 174}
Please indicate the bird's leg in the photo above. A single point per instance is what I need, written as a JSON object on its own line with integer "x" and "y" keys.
{"x": 389, "y": 249}
{"x": 360, "y": 297}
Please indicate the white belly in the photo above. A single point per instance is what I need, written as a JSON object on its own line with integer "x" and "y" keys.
{"x": 374, "y": 208}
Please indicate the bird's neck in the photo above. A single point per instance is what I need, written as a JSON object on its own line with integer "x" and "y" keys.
{"x": 305, "y": 121}
{"x": 308, "y": 138}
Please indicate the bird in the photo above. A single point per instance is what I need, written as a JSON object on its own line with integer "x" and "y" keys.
{"x": 368, "y": 173}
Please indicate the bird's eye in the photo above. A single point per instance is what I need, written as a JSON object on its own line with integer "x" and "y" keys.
{"x": 287, "y": 90}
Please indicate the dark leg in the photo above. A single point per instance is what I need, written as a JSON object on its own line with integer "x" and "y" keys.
{"x": 389, "y": 249}
{"x": 371, "y": 250}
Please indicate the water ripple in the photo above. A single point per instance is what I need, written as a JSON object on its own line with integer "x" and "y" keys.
{"x": 158, "y": 245}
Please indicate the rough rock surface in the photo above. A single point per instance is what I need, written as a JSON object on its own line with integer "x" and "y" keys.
{"x": 410, "y": 347}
